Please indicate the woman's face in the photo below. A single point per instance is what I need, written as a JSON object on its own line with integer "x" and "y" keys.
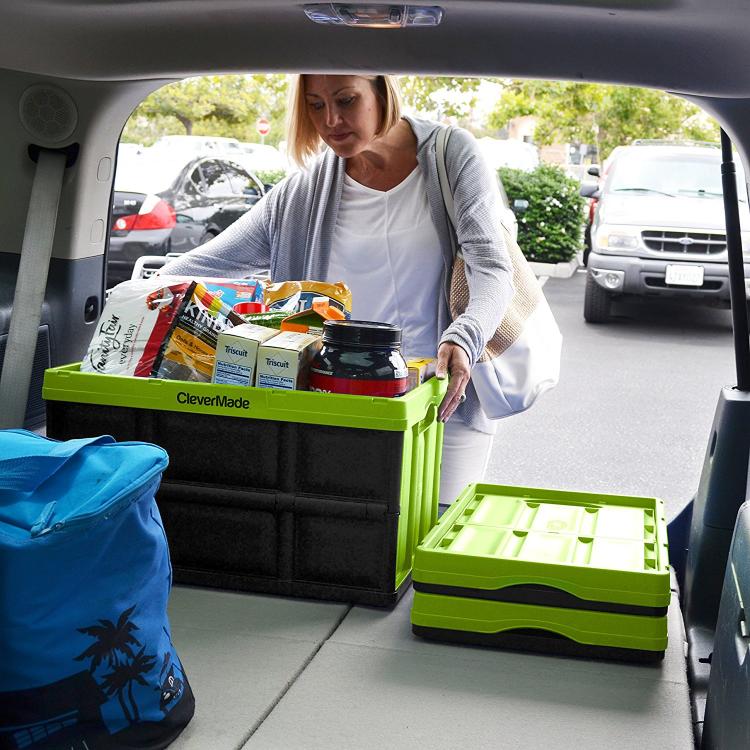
{"x": 344, "y": 110}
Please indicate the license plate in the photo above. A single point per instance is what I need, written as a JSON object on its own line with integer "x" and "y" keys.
{"x": 684, "y": 275}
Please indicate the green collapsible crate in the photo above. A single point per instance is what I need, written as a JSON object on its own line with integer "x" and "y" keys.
{"x": 283, "y": 492}
{"x": 564, "y": 572}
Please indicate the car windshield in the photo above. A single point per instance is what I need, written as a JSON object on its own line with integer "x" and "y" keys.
{"x": 672, "y": 176}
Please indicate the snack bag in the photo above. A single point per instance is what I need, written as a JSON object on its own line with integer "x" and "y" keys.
{"x": 132, "y": 326}
{"x": 296, "y": 296}
{"x": 189, "y": 348}
{"x": 139, "y": 314}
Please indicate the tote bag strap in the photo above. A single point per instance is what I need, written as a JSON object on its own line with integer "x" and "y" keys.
{"x": 37, "y": 458}
{"x": 441, "y": 146}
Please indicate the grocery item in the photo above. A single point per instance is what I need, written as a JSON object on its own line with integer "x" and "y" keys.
{"x": 272, "y": 319}
{"x": 360, "y": 357}
{"x": 284, "y": 360}
{"x": 295, "y": 296}
{"x": 237, "y": 354}
{"x": 139, "y": 314}
{"x": 189, "y": 348}
{"x": 134, "y": 322}
{"x": 312, "y": 320}
{"x": 419, "y": 371}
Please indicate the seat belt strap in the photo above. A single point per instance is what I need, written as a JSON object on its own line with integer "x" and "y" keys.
{"x": 31, "y": 283}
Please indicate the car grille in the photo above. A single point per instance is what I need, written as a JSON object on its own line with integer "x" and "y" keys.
{"x": 687, "y": 243}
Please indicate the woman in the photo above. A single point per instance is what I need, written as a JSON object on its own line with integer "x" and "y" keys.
{"x": 369, "y": 211}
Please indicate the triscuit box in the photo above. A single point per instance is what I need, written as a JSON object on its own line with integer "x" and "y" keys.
{"x": 284, "y": 360}
{"x": 419, "y": 371}
{"x": 237, "y": 352}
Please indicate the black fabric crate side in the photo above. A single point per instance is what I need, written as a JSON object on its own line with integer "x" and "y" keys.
{"x": 214, "y": 449}
{"x": 222, "y": 530}
{"x": 346, "y": 543}
{"x": 350, "y": 463}
{"x": 302, "y": 590}
{"x": 67, "y": 420}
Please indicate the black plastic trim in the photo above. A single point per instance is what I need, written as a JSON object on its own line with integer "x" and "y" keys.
{"x": 539, "y": 595}
{"x": 540, "y": 641}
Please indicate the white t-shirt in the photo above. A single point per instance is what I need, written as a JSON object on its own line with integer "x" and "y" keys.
{"x": 386, "y": 248}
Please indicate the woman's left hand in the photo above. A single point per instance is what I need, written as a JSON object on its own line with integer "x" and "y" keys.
{"x": 454, "y": 361}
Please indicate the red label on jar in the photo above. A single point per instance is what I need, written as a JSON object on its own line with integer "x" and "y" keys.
{"x": 353, "y": 386}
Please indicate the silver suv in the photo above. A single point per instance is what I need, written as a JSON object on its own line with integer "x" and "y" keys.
{"x": 659, "y": 228}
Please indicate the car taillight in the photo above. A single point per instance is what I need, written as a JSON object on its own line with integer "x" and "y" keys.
{"x": 125, "y": 223}
{"x": 155, "y": 213}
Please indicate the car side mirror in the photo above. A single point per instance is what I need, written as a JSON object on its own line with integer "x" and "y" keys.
{"x": 251, "y": 191}
{"x": 594, "y": 170}
{"x": 520, "y": 205}
{"x": 590, "y": 190}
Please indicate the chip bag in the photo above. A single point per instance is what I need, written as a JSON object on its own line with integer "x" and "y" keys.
{"x": 296, "y": 296}
{"x": 188, "y": 351}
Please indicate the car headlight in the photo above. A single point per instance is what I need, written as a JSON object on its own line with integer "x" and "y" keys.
{"x": 616, "y": 239}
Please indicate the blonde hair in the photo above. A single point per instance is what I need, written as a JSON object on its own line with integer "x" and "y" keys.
{"x": 303, "y": 140}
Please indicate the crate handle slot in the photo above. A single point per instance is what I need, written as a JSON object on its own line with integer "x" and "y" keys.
{"x": 429, "y": 419}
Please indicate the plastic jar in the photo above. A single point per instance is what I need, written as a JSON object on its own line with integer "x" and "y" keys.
{"x": 360, "y": 357}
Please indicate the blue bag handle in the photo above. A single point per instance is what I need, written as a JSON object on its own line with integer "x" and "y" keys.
{"x": 31, "y": 468}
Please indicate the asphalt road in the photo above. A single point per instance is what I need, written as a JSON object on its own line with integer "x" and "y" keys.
{"x": 635, "y": 403}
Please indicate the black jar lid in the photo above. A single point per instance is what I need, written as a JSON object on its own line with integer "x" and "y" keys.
{"x": 361, "y": 333}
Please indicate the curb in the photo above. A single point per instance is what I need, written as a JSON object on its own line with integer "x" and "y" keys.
{"x": 555, "y": 270}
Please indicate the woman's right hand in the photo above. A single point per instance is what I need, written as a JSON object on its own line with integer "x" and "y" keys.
{"x": 452, "y": 360}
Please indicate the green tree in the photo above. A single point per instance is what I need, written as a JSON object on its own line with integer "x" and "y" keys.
{"x": 604, "y": 115}
{"x": 431, "y": 93}
{"x": 211, "y": 105}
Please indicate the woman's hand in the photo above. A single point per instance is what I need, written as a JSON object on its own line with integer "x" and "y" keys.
{"x": 454, "y": 361}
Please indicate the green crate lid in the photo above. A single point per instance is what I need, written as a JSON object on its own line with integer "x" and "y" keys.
{"x": 68, "y": 383}
{"x": 582, "y": 626}
{"x": 603, "y": 548}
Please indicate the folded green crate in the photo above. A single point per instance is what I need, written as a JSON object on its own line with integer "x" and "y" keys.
{"x": 586, "y": 567}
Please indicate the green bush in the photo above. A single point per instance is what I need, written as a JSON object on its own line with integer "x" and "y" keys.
{"x": 550, "y": 229}
{"x": 271, "y": 176}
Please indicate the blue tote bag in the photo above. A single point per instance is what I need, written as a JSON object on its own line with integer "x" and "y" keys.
{"x": 86, "y": 657}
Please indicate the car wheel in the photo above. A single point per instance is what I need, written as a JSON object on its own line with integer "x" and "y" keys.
{"x": 597, "y": 302}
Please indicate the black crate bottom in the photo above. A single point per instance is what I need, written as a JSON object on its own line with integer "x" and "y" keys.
{"x": 538, "y": 641}
{"x": 300, "y": 589}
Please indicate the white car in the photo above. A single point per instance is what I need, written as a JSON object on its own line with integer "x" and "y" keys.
{"x": 659, "y": 228}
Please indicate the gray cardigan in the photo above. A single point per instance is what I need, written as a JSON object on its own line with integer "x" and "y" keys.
{"x": 288, "y": 235}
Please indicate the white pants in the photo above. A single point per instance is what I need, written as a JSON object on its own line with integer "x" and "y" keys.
{"x": 466, "y": 453}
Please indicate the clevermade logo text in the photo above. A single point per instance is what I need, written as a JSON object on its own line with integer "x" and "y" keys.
{"x": 222, "y": 401}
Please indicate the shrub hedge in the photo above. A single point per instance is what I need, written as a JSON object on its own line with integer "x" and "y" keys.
{"x": 550, "y": 230}
{"x": 270, "y": 176}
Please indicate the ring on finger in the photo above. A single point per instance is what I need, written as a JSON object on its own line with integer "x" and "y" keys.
{"x": 462, "y": 398}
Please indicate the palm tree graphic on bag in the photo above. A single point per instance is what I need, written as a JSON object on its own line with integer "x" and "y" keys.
{"x": 115, "y": 644}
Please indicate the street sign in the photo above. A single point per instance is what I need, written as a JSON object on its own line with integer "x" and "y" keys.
{"x": 263, "y": 127}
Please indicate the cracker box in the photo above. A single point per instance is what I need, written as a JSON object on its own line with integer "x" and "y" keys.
{"x": 237, "y": 352}
{"x": 284, "y": 360}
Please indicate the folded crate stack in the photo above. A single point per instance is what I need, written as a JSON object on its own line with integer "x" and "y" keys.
{"x": 562, "y": 572}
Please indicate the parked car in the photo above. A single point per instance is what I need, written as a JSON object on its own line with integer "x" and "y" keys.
{"x": 198, "y": 145}
{"x": 172, "y": 204}
{"x": 260, "y": 157}
{"x": 509, "y": 153}
{"x": 659, "y": 229}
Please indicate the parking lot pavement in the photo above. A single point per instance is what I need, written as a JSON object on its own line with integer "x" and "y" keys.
{"x": 634, "y": 406}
